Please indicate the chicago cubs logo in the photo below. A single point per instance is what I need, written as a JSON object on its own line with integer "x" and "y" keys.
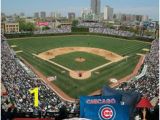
{"x": 107, "y": 112}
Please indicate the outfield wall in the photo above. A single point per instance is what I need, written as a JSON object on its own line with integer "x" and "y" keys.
{"x": 18, "y": 35}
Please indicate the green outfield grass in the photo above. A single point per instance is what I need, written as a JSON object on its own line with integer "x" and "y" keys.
{"x": 73, "y": 87}
{"x": 91, "y": 60}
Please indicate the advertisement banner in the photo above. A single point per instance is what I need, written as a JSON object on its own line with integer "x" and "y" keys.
{"x": 42, "y": 23}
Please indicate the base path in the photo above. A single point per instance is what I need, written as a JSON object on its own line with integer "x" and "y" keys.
{"x": 65, "y": 97}
{"x": 104, "y": 65}
{"x": 125, "y": 79}
{"x": 79, "y": 74}
{"x": 61, "y": 66}
{"x": 50, "y": 84}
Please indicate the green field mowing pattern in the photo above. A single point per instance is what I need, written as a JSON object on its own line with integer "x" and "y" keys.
{"x": 91, "y": 60}
{"x": 40, "y": 44}
{"x": 73, "y": 87}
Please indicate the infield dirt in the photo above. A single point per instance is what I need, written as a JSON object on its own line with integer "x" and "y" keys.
{"x": 50, "y": 54}
{"x": 80, "y": 75}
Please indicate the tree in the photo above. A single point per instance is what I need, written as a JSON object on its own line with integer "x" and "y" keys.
{"x": 74, "y": 23}
{"x": 21, "y": 24}
{"x": 45, "y": 28}
{"x": 25, "y": 26}
{"x": 30, "y": 26}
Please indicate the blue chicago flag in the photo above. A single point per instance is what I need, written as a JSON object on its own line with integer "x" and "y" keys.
{"x": 103, "y": 108}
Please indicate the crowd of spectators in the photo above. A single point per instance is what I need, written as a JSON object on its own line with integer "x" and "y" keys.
{"x": 66, "y": 29}
{"x": 97, "y": 27}
{"x": 109, "y": 31}
{"x": 148, "y": 85}
{"x": 18, "y": 83}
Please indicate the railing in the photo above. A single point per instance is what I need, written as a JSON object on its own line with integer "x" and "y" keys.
{"x": 56, "y": 115}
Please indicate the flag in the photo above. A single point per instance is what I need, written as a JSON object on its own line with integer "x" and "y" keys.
{"x": 103, "y": 108}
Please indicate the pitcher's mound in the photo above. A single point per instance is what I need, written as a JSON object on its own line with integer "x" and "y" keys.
{"x": 80, "y": 59}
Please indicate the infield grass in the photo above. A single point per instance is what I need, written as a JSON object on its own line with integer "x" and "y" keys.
{"x": 69, "y": 60}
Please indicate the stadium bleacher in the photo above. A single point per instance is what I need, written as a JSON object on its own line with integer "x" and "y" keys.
{"x": 19, "y": 102}
{"x": 148, "y": 85}
{"x": 17, "y": 83}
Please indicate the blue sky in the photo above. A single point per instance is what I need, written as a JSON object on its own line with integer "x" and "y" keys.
{"x": 144, "y": 7}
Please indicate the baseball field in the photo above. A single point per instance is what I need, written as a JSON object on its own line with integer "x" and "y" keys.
{"x": 82, "y": 64}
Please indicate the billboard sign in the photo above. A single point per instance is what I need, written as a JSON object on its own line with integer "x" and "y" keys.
{"x": 42, "y": 23}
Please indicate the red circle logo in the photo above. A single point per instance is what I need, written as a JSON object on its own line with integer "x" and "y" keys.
{"x": 107, "y": 112}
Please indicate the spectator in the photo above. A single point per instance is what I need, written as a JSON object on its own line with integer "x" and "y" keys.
{"x": 18, "y": 82}
{"x": 109, "y": 31}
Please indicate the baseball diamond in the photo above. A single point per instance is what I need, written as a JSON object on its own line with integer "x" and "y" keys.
{"x": 82, "y": 64}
